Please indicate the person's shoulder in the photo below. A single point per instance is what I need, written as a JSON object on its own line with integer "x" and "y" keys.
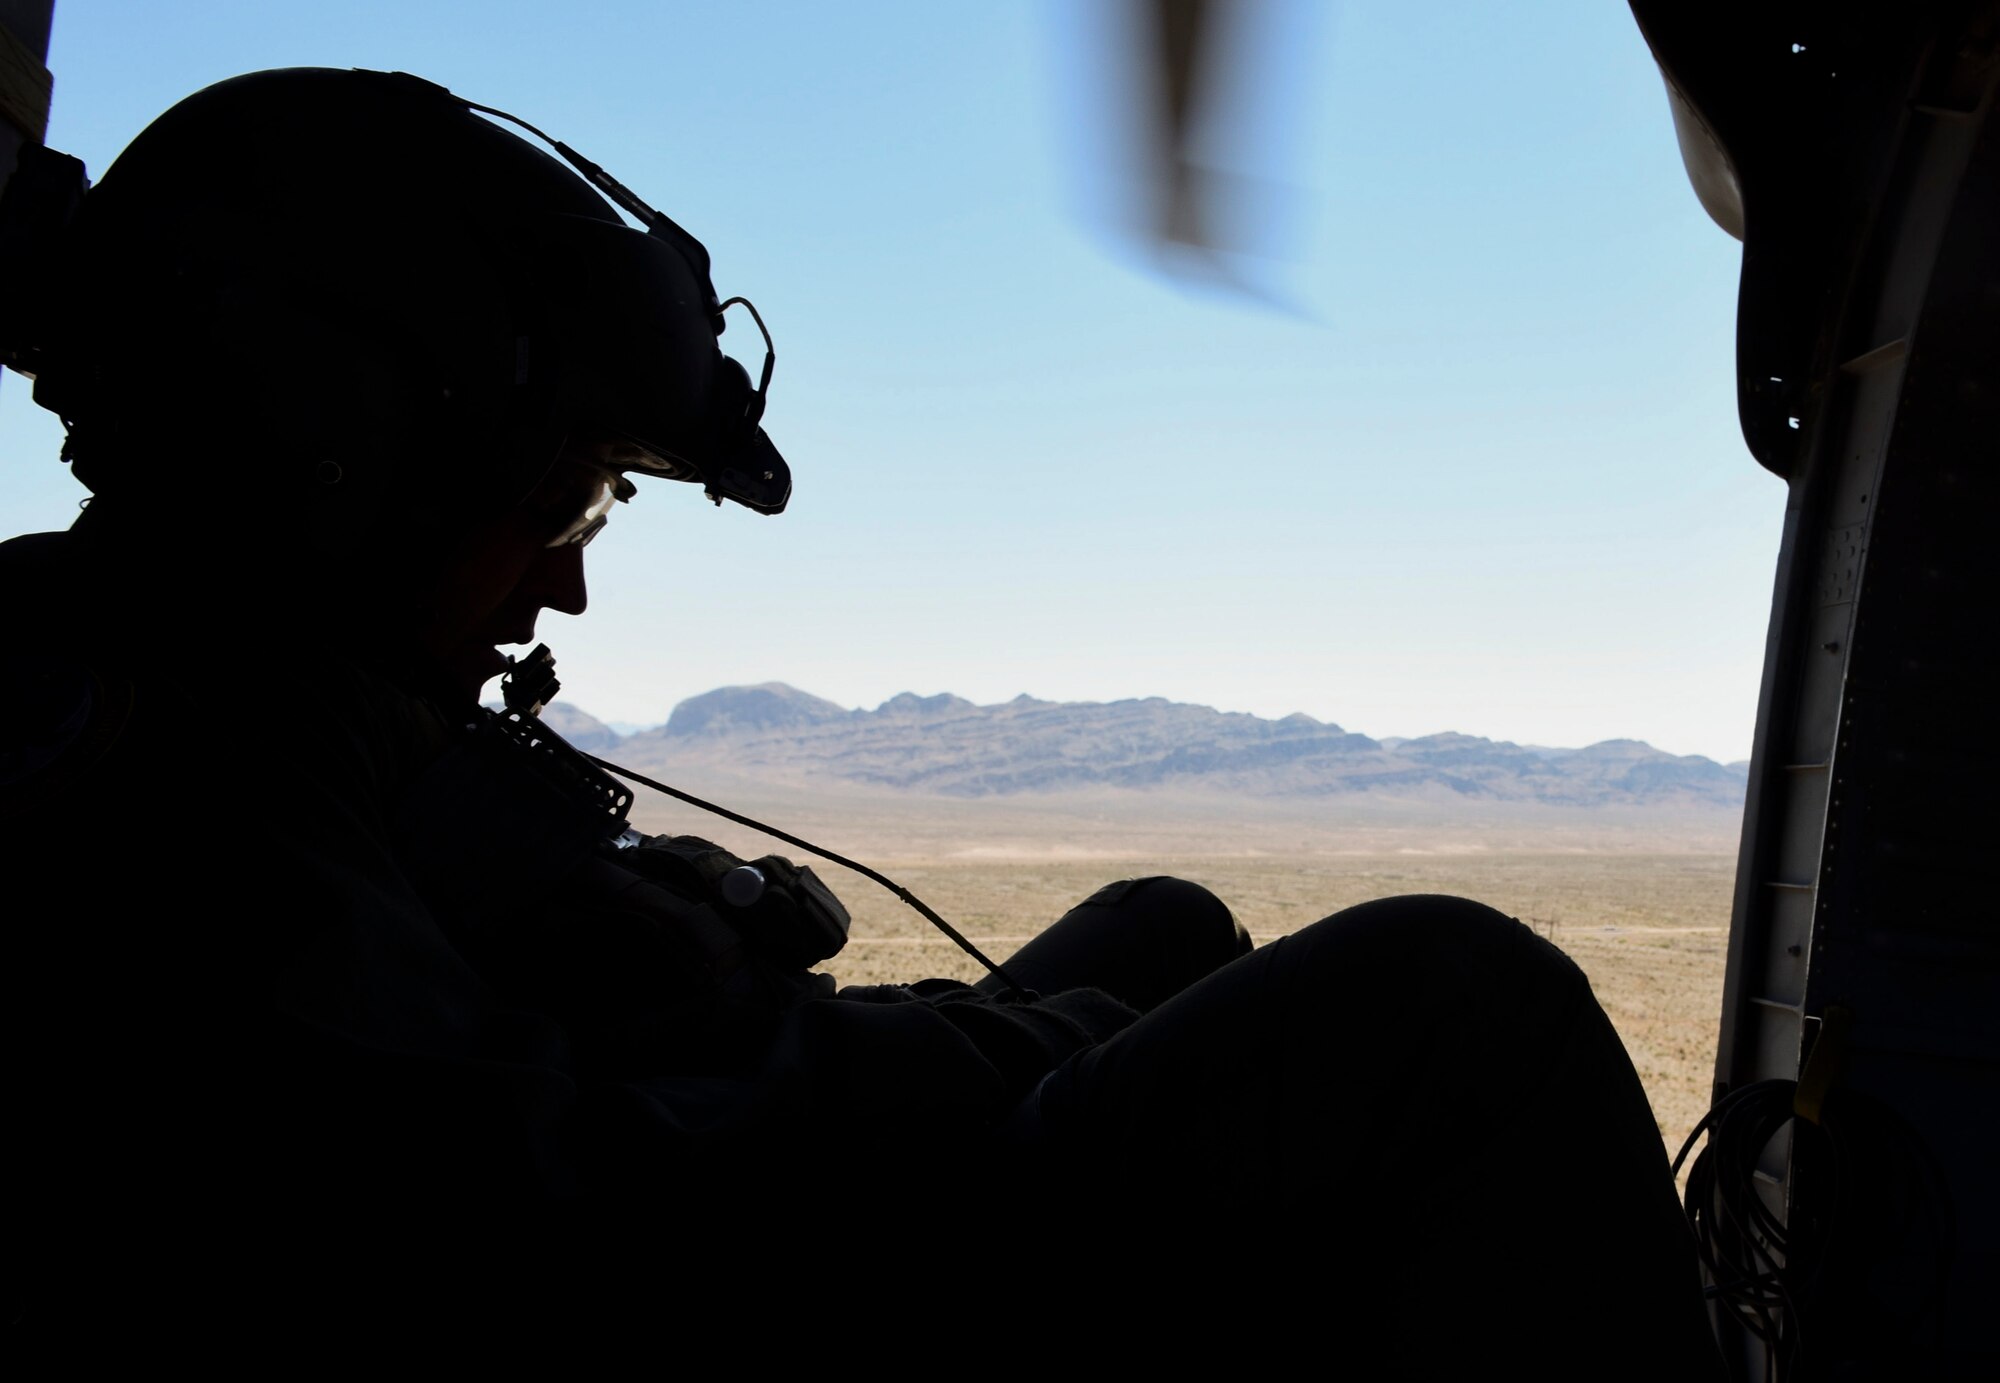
{"x": 49, "y": 591}
{"x": 23, "y": 545}
{"x": 71, "y": 669}
{"x": 64, "y": 700}
{"x": 30, "y": 555}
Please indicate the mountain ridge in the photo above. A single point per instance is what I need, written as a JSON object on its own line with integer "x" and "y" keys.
{"x": 947, "y": 745}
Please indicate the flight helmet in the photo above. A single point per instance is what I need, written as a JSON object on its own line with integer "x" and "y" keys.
{"x": 357, "y": 283}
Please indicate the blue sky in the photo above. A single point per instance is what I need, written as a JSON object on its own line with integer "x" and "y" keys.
{"x": 1485, "y": 478}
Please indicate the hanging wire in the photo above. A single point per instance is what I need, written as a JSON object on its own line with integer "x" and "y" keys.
{"x": 1768, "y": 1274}
{"x": 924, "y": 909}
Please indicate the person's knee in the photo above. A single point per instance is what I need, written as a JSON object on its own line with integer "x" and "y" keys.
{"x": 1430, "y": 913}
{"x": 1442, "y": 951}
{"x": 1148, "y": 938}
{"x": 1443, "y": 925}
{"x": 1179, "y": 913}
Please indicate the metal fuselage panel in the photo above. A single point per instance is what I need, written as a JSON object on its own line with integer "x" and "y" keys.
{"x": 1866, "y": 833}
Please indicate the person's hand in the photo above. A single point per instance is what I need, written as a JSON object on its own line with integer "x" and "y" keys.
{"x": 790, "y": 918}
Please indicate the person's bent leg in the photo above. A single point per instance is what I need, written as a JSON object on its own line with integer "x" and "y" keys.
{"x": 1138, "y": 940}
{"x": 1414, "y": 1129}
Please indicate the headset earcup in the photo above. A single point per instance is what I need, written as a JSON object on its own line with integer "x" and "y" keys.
{"x": 735, "y": 408}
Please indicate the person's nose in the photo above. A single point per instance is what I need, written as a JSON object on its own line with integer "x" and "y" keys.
{"x": 558, "y": 580}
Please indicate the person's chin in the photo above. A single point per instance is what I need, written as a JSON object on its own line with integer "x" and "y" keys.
{"x": 473, "y": 668}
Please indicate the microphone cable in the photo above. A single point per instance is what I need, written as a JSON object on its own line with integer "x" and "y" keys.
{"x": 530, "y": 684}
{"x": 923, "y": 909}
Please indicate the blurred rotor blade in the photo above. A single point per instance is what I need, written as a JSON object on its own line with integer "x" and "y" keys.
{"x": 1181, "y": 31}
{"x": 1185, "y": 115}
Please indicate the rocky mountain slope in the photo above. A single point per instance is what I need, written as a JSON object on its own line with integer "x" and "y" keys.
{"x": 947, "y": 745}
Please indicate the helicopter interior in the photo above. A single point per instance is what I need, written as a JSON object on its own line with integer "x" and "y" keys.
{"x": 1845, "y": 1201}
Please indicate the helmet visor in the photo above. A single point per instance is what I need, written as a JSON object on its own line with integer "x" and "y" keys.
{"x": 573, "y": 502}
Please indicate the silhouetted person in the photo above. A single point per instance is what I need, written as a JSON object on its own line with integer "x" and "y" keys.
{"x": 335, "y": 1004}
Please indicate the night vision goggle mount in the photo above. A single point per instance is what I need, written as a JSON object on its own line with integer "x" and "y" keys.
{"x": 746, "y": 467}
